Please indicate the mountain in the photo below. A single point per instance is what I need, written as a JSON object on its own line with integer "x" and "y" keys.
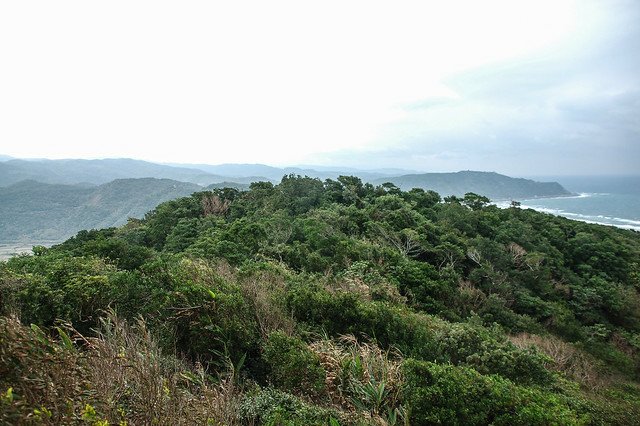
{"x": 34, "y": 211}
{"x": 97, "y": 171}
{"x": 490, "y": 184}
{"x": 261, "y": 172}
{"x": 354, "y": 171}
{"x": 235, "y": 185}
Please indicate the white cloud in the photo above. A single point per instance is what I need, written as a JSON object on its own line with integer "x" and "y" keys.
{"x": 274, "y": 82}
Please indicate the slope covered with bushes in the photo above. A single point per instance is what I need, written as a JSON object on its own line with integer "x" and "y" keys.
{"x": 328, "y": 303}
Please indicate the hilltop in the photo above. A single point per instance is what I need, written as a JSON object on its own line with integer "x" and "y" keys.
{"x": 490, "y": 184}
{"x": 315, "y": 303}
{"x": 71, "y": 172}
{"x": 53, "y": 199}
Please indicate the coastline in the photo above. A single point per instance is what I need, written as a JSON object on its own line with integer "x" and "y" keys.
{"x": 596, "y": 208}
{"x": 9, "y": 249}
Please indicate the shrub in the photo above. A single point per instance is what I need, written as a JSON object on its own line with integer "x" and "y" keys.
{"x": 488, "y": 351}
{"x": 47, "y": 288}
{"x": 445, "y": 394}
{"x": 276, "y": 408}
{"x": 40, "y": 379}
{"x": 362, "y": 377}
{"x": 206, "y": 316}
{"x": 292, "y": 365}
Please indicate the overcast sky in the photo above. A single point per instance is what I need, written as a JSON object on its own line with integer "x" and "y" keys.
{"x": 518, "y": 87}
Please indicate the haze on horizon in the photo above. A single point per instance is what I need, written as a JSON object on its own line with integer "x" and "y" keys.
{"x": 521, "y": 88}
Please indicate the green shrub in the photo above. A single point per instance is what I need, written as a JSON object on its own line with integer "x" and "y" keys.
{"x": 445, "y": 394}
{"x": 273, "y": 407}
{"x": 45, "y": 289}
{"x": 292, "y": 365}
{"x": 488, "y": 351}
{"x": 206, "y": 316}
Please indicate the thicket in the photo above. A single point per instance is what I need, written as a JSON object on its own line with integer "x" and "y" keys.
{"x": 328, "y": 303}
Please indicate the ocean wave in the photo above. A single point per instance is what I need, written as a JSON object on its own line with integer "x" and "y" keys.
{"x": 565, "y": 197}
{"x": 595, "y": 219}
{"x": 630, "y": 221}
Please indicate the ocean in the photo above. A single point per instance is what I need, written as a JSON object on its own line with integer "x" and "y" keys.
{"x": 605, "y": 200}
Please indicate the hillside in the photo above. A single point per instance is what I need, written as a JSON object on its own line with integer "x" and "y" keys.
{"x": 261, "y": 172}
{"x": 71, "y": 172}
{"x": 492, "y": 185}
{"x": 326, "y": 303}
{"x": 35, "y": 211}
{"x": 96, "y": 171}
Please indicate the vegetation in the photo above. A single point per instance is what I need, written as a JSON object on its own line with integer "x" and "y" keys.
{"x": 325, "y": 303}
{"x": 34, "y": 211}
{"x": 492, "y": 185}
{"x": 51, "y": 200}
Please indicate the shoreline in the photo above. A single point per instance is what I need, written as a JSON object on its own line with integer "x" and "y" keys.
{"x": 596, "y": 216}
{"x": 10, "y": 249}
{"x": 541, "y": 197}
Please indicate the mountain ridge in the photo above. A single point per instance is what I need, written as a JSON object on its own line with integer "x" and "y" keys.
{"x": 491, "y": 184}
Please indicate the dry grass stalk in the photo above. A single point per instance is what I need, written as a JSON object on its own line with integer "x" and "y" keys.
{"x": 354, "y": 371}
{"x": 120, "y": 375}
{"x": 46, "y": 378}
{"x": 567, "y": 359}
{"x": 266, "y": 294}
{"x": 128, "y": 370}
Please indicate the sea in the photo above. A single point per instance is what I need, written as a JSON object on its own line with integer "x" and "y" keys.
{"x": 605, "y": 200}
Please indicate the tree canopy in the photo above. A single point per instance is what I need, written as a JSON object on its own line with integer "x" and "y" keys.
{"x": 329, "y": 302}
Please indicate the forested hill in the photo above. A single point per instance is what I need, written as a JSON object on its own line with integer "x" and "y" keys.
{"x": 326, "y": 303}
{"x": 34, "y": 211}
{"x": 492, "y": 185}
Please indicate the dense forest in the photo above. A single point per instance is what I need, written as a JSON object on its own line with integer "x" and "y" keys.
{"x": 327, "y": 302}
{"x": 48, "y": 201}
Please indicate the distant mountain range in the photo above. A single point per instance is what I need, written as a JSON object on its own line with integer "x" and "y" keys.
{"x": 53, "y": 199}
{"x": 263, "y": 172}
{"x": 100, "y": 171}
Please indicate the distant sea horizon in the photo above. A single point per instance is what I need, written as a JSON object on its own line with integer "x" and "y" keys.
{"x": 604, "y": 200}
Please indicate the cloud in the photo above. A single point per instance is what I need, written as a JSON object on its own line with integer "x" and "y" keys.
{"x": 572, "y": 109}
{"x": 509, "y": 86}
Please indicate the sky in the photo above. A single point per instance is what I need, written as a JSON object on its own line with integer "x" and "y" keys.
{"x": 523, "y": 88}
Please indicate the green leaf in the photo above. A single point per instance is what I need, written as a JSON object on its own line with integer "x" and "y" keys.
{"x": 212, "y": 294}
{"x": 66, "y": 340}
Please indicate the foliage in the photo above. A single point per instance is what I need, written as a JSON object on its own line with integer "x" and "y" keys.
{"x": 273, "y": 407}
{"x": 444, "y": 394}
{"x": 296, "y": 303}
{"x": 292, "y": 365}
